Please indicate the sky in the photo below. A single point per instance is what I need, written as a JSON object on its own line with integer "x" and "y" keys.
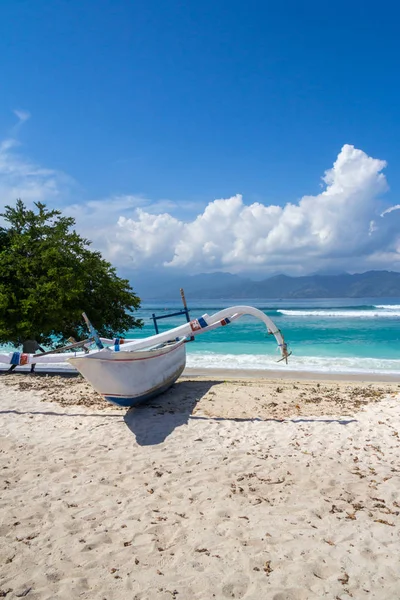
{"x": 252, "y": 137}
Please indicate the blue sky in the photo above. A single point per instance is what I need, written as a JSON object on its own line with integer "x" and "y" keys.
{"x": 186, "y": 102}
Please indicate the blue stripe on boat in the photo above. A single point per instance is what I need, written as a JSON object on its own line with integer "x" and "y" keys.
{"x": 15, "y": 358}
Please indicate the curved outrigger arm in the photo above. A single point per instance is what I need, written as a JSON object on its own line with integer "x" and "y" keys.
{"x": 207, "y": 323}
{"x": 255, "y": 312}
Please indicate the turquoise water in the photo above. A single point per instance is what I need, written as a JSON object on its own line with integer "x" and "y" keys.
{"x": 324, "y": 335}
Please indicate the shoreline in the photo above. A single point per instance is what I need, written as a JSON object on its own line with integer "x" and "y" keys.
{"x": 234, "y": 374}
{"x": 242, "y": 374}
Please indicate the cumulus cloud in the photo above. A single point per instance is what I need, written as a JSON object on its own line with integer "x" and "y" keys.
{"x": 339, "y": 227}
{"x": 345, "y": 226}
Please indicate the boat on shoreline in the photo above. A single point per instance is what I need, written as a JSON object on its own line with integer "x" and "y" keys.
{"x": 128, "y": 378}
{"x": 129, "y": 371}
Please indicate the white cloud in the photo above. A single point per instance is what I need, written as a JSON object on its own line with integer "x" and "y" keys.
{"x": 337, "y": 227}
{"x": 23, "y": 115}
{"x": 343, "y": 227}
{"x": 21, "y": 178}
{"x": 391, "y": 209}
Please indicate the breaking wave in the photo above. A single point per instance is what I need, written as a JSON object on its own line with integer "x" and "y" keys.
{"x": 388, "y": 306}
{"x": 393, "y": 312}
{"x": 212, "y": 360}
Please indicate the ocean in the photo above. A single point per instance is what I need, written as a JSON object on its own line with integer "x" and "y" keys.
{"x": 325, "y": 335}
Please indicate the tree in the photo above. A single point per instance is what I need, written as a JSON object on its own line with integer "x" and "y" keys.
{"x": 49, "y": 276}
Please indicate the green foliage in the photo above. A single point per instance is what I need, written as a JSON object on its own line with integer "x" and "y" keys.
{"x": 49, "y": 276}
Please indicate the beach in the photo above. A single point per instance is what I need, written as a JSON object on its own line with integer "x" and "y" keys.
{"x": 227, "y": 486}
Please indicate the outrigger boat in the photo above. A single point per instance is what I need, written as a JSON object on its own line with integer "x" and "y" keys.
{"x": 129, "y": 371}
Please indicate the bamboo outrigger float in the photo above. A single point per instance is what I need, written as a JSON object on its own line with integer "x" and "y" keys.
{"x": 129, "y": 371}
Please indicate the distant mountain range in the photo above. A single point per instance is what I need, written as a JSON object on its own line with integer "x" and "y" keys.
{"x": 377, "y": 284}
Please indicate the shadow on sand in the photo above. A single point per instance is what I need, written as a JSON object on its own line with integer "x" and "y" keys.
{"x": 154, "y": 421}
{"x": 52, "y": 413}
{"x": 40, "y": 372}
{"x": 285, "y": 420}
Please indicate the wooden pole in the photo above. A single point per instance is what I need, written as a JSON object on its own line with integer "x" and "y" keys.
{"x": 183, "y": 298}
{"x": 186, "y": 310}
{"x": 69, "y": 347}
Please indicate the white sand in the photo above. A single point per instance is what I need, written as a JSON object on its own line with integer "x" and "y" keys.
{"x": 189, "y": 497}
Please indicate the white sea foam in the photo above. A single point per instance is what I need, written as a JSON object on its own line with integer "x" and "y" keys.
{"x": 344, "y": 314}
{"x": 209, "y": 360}
{"x": 388, "y": 306}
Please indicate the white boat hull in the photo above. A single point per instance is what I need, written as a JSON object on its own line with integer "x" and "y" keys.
{"x": 128, "y": 378}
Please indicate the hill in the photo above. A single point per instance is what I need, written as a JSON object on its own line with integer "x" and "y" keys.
{"x": 377, "y": 284}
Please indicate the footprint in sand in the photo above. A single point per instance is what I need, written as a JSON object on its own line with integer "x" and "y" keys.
{"x": 236, "y": 588}
{"x": 292, "y": 594}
